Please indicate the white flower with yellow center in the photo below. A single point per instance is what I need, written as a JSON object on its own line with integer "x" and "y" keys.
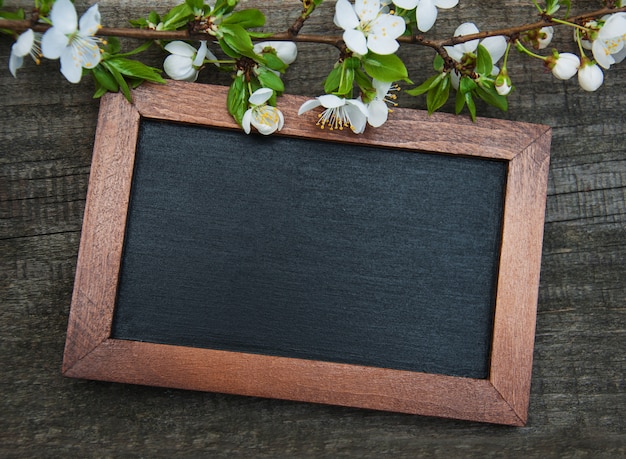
{"x": 425, "y": 10}
{"x": 265, "y": 118}
{"x": 27, "y": 43}
{"x": 366, "y": 27}
{"x": 72, "y": 41}
{"x": 609, "y": 45}
{"x": 339, "y": 112}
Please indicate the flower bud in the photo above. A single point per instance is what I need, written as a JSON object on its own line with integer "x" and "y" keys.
{"x": 503, "y": 83}
{"x": 564, "y": 65}
{"x": 590, "y": 76}
{"x": 285, "y": 50}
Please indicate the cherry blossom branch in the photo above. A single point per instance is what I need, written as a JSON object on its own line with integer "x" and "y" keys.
{"x": 292, "y": 34}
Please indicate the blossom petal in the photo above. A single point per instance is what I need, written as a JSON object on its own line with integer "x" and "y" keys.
{"x": 446, "y": 4}
{"x": 89, "y": 22}
{"x": 454, "y": 52}
{"x": 496, "y": 47}
{"x": 260, "y": 96}
{"x": 358, "y": 119}
{"x": 387, "y": 26}
{"x": 179, "y": 68}
{"x": 367, "y": 10}
{"x": 180, "y": 48}
{"x": 382, "y": 88}
{"x": 70, "y": 66}
{"x": 615, "y": 26}
{"x": 88, "y": 53}
{"x": 406, "y": 4}
{"x": 309, "y": 105}
{"x": 467, "y": 28}
{"x": 426, "y": 14}
{"x": 355, "y": 41}
{"x": 24, "y": 43}
{"x": 602, "y": 54}
{"x": 63, "y": 16}
{"x": 245, "y": 121}
{"x": 331, "y": 101}
{"x": 377, "y": 113}
{"x": 345, "y": 16}
{"x": 15, "y": 63}
{"x": 382, "y": 46}
{"x": 202, "y": 52}
{"x": 358, "y": 104}
{"x": 53, "y": 43}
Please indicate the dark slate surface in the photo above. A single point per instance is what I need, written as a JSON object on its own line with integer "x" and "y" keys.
{"x": 311, "y": 250}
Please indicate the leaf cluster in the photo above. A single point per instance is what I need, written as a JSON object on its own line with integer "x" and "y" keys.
{"x": 358, "y": 71}
{"x": 476, "y": 81}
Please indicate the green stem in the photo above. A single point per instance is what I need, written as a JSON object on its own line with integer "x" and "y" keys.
{"x": 521, "y": 48}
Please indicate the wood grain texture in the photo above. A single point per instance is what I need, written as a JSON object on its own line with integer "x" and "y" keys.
{"x": 578, "y": 385}
{"x": 504, "y": 399}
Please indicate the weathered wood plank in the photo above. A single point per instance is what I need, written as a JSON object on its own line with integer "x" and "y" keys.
{"x": 578, "y": 386}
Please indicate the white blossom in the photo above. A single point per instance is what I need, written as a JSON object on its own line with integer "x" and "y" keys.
{"x": 265, "y": 118}
{"x": 366, "y": 27}
{"x": 339, "y": 112}
{"x": 72, "y": 41}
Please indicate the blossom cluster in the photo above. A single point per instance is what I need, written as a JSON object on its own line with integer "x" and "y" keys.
{"x": 359, "y": 91}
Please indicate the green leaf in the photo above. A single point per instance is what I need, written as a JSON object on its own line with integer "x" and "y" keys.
{"x": 388, "y": 68}
{"x": 135, "y": 69}
{"x": 463, "y": 99}
{"x": 438, "y": 95}
{"x": 347, "y": 82}
{"x": 119, "y": 79}
{"x": 154, "y": 17}
{"x": 177, "y": 17}
{"x": 484, "y": 64}
{"x": 491, "y": 96}
{"x": 426, "y": 85}
{"x": 467, "y": 85}
{"x": 113, "y": 45}
{"x": 270, "y": 80}
{"x": 438, "y": 63}
{"x": 248, "y": 18}
{"x": 228, "y": 50}
{"x": 365, "y": 85}
{"x": 238, "y": 39}
{"x": 237, "y": 100}
{"x": 272, "y": 61}
{"x": 332, "y": 80}
{"x": 105, "y": 79}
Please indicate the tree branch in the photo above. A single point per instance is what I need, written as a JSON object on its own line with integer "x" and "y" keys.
{"x": 292, "y": 34}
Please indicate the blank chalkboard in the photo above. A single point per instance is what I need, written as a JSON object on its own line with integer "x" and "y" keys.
{"x": 395, "y": 270}
{"x": 310, "y": 249}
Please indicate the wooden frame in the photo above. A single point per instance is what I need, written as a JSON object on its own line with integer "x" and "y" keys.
{"x": 502, "y": 398}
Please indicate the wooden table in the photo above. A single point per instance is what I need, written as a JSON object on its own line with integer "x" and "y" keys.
{"x": 578, "y": 396}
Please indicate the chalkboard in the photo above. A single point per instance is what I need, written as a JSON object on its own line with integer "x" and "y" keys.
{"x": 396, "y": 270}
{"x": 312, "y": 250}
